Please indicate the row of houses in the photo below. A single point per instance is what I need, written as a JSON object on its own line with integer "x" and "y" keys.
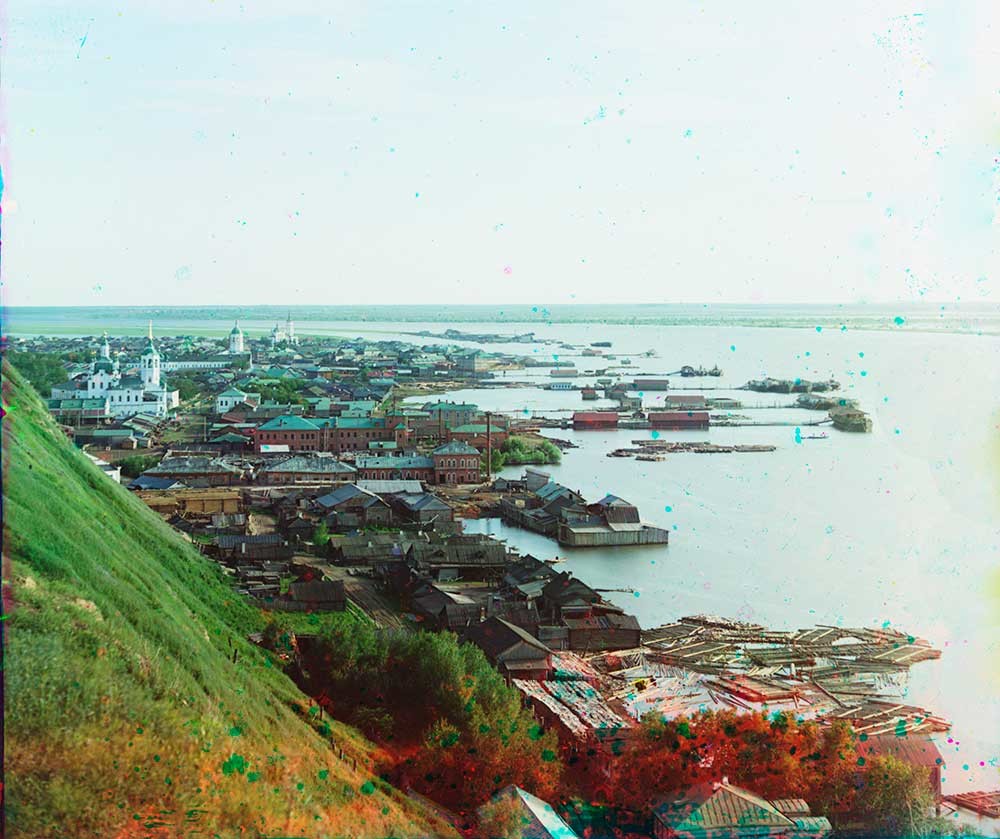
{"x": 366, "y": 505}
{"x": 451, "y": 464}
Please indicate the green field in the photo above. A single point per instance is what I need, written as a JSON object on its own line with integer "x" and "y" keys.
{"x": 135, "y": 705}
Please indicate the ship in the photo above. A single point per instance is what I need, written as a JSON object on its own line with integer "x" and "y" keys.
{"x": 790, "y": 386}
{"x": 846, "y": 419}
{"x": 689, "y": 372}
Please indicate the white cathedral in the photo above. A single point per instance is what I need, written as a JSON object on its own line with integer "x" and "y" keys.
{"x": 144, "y": 393}
{"x": 285, "y": 336}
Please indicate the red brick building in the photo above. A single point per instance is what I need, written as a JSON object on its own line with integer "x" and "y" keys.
{"x": 456, "y": 463}
{"x": 336, "y": 434}
{"x": 452, "y": 463}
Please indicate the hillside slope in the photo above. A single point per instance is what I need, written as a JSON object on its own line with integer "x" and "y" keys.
{"x": 134, "y": 705}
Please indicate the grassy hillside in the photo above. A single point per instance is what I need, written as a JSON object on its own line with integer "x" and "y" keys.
{"x": 134, "y": 705}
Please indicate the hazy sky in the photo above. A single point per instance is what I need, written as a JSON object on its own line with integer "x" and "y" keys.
{"x": 310, "y": 151}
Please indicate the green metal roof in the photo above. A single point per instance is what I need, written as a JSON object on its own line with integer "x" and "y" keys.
{"x": 450, "y": 406}
{"x": 357, "y": 422}
{"x": 413, "y": 462}
{"x": 76, "y": 404}
{"x": 287, "y": 422}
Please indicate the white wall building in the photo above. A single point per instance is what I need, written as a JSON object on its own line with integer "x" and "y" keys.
{"x": 125, "y": 394}
{"x": 285, "y": 336}
{"x": 229, "y": 399}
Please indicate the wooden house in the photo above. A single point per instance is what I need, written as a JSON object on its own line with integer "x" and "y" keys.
{"x": 595, "y": 420}
{"x": 512, "y": 650}
{"x": 679, "y": 420}
{"x": 722, "y": 811}
{"x": 611, "y": 631}
{"x": 350, "y": 507}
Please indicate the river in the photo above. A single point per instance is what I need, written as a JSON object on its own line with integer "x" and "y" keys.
{"x": 894, "y": 528}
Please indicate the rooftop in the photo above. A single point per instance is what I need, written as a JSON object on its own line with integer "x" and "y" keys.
{"x": 287, "y": 422}
{"x": 455, "y": 447}
{"x": 319, "y": 462}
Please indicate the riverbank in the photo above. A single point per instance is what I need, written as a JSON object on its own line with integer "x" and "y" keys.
{"x": 972, "y": 319}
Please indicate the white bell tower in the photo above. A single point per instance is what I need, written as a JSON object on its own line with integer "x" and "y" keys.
{"x": 236, "y": 339}
{"x": 149, "y": 364}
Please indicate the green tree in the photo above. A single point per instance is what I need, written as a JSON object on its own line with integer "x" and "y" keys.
{"x": 42, "y": 370}
{"x": 187, "y": 387}
{"x": 321, "y": 535}
{"x": 134, "y": 465}
{"x": 550, "y": 451}
{"x": 466, "y": 737}
{"x": 497, "y": 460}
{"x": 502, "y": 818}
{"x": 521, "y": 450}
{"x": 895, "y": 798}
{"x": 285, "y": 391}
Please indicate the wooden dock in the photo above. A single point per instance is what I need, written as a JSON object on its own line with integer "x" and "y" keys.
{"x": 983, "y": 803}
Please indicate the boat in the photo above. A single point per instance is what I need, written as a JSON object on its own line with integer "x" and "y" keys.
{"x": 823, "y": 436}
{"x": 556, "y": 560}
{"x": 654, "y": 458}
{"x": 688, "y": 372}
{"x": 601, "y": 344}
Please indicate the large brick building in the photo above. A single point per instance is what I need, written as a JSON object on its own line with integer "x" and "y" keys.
{"x": 452, "y": 463}
{"x": 456, "y": 463}
{"x": 334, "y": 434}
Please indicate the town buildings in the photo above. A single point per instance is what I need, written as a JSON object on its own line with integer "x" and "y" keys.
{"x": 232, "y": 398}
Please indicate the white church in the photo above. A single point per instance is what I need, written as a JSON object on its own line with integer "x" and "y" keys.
{"x": 145, "y": 393}
{"x": 286, "y": 335}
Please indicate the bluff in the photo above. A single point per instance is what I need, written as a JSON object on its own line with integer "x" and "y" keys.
{"x": 134, "y": 703}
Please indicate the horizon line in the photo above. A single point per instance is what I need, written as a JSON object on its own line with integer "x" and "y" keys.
{"x": 438, "y": 304}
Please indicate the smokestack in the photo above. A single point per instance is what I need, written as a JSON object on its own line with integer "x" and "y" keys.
{"x": 489, "y": 446}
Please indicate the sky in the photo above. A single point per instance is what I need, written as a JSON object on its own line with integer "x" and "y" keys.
{"x": 317, "y": 152}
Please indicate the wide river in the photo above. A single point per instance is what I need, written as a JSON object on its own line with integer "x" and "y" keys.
{"x": 899, "y": 527}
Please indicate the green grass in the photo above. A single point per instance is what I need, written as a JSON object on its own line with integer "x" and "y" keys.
{"x": 125, "y": 712}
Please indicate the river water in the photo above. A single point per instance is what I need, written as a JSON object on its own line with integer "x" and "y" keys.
{"x": 895, "y": 528}
{"x": 899, "y": 527}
